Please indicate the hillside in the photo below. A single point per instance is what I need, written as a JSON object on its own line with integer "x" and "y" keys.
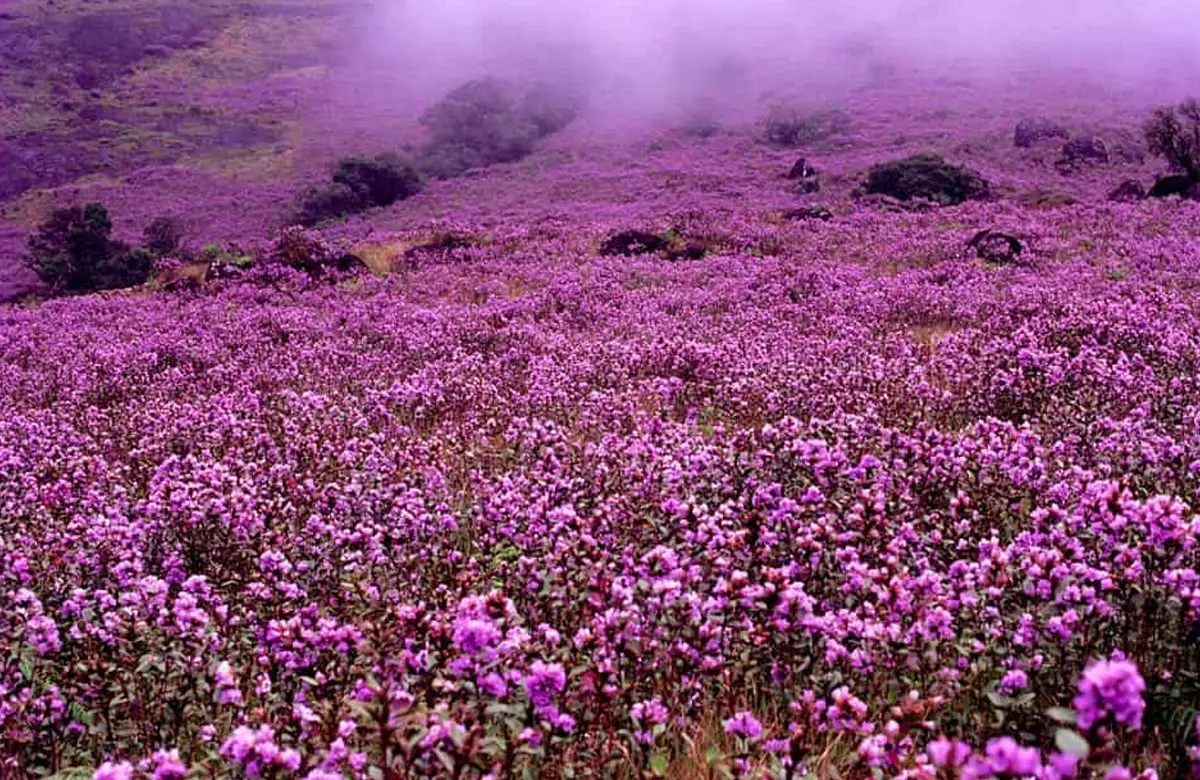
{"x": 861, "y": 443}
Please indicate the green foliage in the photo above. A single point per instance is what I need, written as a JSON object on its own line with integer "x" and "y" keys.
{"x": 787, "y": 126}
{"x": 322, "y": 202}
{"x": 377, "y": 181}
{"x": 72, "y": 251}
{"x": 926, "y": 176}
{"x": 357, "y": 184}
{"x": 484, "y": 122}
{"x": 550, "y": 108}
{"x": 1173, "y": 133}
{"x": 163, "y": 236}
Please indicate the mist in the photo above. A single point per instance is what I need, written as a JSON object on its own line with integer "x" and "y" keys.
{"x": 641, "y": 58}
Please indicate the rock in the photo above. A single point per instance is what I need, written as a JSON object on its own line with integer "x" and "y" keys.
{"x": 633, "y": 242}
{"x": 806, "y": 177}
{"x": 1046, "y": 199}
{"x": 926, "y": 177}
{"x": 1175, "y": 184}
{"x": 808, "y": 212}
{"x": 801, "y": 170}
{"x": 1128, "y": 191}
{"x": 996, "y": 247}
{"x": 1030, "y": 131}
{"x": 1085, "y": 150}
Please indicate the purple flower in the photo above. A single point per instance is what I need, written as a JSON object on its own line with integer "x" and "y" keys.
{"x": 1110, "y": 689}
{"x": 1014, "y": 680}
{"x": 744, "y": 725}
{"x": 1064, "y": 765}
{"x": 114, "y": 771}
{"x": 948, "y": 753}
{"x": 1006, "y": 757}
{"x": 167, "y": 766}
{"x": 475, "y": 635}
{"x": 42, "y": 633}
{"x": 651, "y": 711}
{"x": 227, "y": 686}
{"x": 543, "y": 682}
{"x": 493, "y": 685}
{"x": 1118, "y": 773}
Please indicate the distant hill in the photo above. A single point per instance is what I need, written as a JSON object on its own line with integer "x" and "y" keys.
{"x": 93, "y": 88}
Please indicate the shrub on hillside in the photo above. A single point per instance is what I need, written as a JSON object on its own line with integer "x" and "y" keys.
{"x": 1032, "y": 130}
{"x": 378, "y": 181}
{"x": 550, "y": 108}
{"x": 1173, "y": 133}
{"x": 788, "y": 126}
{"x": 163, "y": 236}
{"x": 73, "y": 251}
{"x": 485, "y": 122}
{"x": 926, "y": 176}
{"x": 356, "y": 184}
{"x": 322, "y": 202}
{"x": 308, "y": 251}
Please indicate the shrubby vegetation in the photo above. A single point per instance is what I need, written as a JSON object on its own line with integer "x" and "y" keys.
{"x": 357, "y": 184}
{"x": 73, "y": 251}
{"x": 928, "y": 177}
{"x": 486, "y": 121}
{"x": 1033, "y": 130}
{"x": 786, "y": 125}
{"x": 1174, "y": 135}
{"x": 163, "y": 236}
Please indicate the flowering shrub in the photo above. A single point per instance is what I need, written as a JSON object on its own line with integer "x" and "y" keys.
{"x": 73, "y": 251}
{"x": 859, "y": 506}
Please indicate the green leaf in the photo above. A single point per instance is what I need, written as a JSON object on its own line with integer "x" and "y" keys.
{"x": 445, "y": 759}
{"x": 1068, "y": 741}
{"x": 73, "y": 773}
{"x": 1061, "y": 715}
{"x": 25, "y": 667}
{"x": 1000, "y": 700}
{"x": 659, "y": 764}
{"x": 82, "y": 714}
{"x": 713, "y": 755}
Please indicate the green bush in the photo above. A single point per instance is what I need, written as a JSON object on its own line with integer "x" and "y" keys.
{"x": 1174, "y": 135}
{"x": 787, "y": 126}
{"x": 73, "y": 251}
{"x": 356, "y": 184}
{"x": 926, "y": 176}
{"x": 163, "y": 236}
{"x": 484, "y": 122}
{"x": 378, "y": 181}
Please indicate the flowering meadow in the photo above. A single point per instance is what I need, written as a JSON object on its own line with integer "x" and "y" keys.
{"x": 838, "y": 500}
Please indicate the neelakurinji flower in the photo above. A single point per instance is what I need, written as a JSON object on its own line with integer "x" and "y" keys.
{"x": 744, "y": 725}
{"x": 1110, "y": 689}
{"x": 114, "y": 771}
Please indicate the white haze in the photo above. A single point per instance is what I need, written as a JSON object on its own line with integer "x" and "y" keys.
{"x": 649, "y": 55}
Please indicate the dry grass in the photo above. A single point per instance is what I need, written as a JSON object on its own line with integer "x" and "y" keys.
{"x": 379, "y": 258}
{"x": 929, "y": 334}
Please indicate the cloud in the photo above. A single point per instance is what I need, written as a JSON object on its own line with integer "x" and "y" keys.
{"x": 649, "y": 54}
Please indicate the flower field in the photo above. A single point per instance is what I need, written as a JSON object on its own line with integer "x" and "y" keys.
{"x": 838, "y": 500}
